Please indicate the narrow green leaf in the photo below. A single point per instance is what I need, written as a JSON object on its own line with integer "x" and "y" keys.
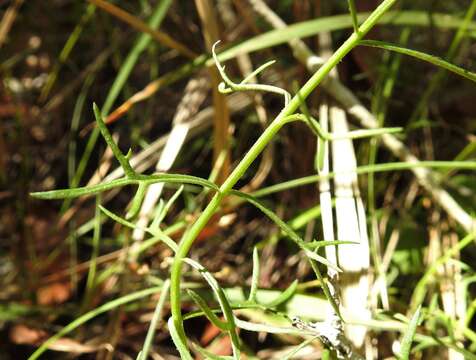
{"x": 165, "y": 208}
{"x": 293, "y": 352}
{"x": 409, "y": 335}
{"x": 373, "y": 168}
{"x": 339, "y": 22}
{"x": 92, "y": 314}
{"x": 128, "y": 170}
{"x": 318, "y": 244}
{"x": 137, "y": 201}
{"x": 284, "y": 296}
{"x": 144, "y": 353}
{"x": 156, "y": 233}
{"x": 222, "y": 325}
{"x": 224, "y": 305}
{"x": 422, "y": 56}
{"x": 255, "y": 276}
{"x": 148, "y": 179}
{"x": 285, "y": 228}
{"x": 301, "y": 243}
{"x": 209, "y": 355}
{"x": 82, "y": 191}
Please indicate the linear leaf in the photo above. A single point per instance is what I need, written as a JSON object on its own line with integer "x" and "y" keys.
{"x": 409, "y": 335}
{"x": 284, "y": 296}
{"x": 90, "y": 315}
{"x": 222, "y": 325}
{"x": 147, "y": 179}
{"x": 422, "y": 56}
{"x": 285, "y": 228}
{"x": 156, "y": 232}
{"x": 224, "y": 304}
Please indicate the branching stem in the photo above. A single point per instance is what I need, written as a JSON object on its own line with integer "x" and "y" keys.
{"x": 290, "y": 108}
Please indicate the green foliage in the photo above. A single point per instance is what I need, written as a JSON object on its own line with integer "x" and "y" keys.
{"x": 308, "y": 249}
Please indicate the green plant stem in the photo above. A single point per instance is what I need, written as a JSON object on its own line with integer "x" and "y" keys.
{"x": 353, "y": 13}
{"x": 253, "y": 153}
{"x": 144, "y": 354}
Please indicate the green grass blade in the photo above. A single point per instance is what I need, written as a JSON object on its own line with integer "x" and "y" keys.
{"x": 140, "y": 45}
{"x": 92, "y": 314}
{"x": 153, "y": 323}
{"x": 409, "y": 335}
{"x": 340, "y": 22}
{"x": 302, "y": 345}
{"x": 255, "y": 276}
{"x": 422, "y": 56}
{"x": 373, "y": 168}
{"x": 91, "y": 279}
{"x": 284, "y": 296}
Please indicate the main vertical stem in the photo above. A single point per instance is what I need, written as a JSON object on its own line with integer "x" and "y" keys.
{"x": 253, "y": 153}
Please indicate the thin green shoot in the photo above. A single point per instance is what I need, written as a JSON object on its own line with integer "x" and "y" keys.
{"x": 209, "y": 355}
{"x": 450, "y": 57}
{"x": 137, "y": 201}
{"x": 153, "y": 323}
{"x": 286, "y": 229}
{"x": 409, "y": 335}
{"x": 295, "y": 351}
{"x": 165, "y": 209}
{"x": 365, "y": 169}
{"x": 421, "y": 288}
{"x": 178, "y": 341}
{"x": 92, "y": 314}
{"x": 353, "y": 14}
{"x": 224, "y": 305}
{"x": 255, "y": 276}
{"x": 136, "y": 180}
{"x": 422, "y": 56}
{"x": 130, "y": 173}
{"x": 284, "y": 296}
{"x": 90, "y": 283}
{"x": 202, "y": 304}
{"x": 156, "y": 233}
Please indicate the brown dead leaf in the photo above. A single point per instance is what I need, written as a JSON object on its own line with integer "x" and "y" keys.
{"x": 24, "y": 335}
{"x": 73, "y": 346}
{"x": 54, "y": 293}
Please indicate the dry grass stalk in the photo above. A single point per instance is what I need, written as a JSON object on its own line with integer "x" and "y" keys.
{"x": 222, "y": 114}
